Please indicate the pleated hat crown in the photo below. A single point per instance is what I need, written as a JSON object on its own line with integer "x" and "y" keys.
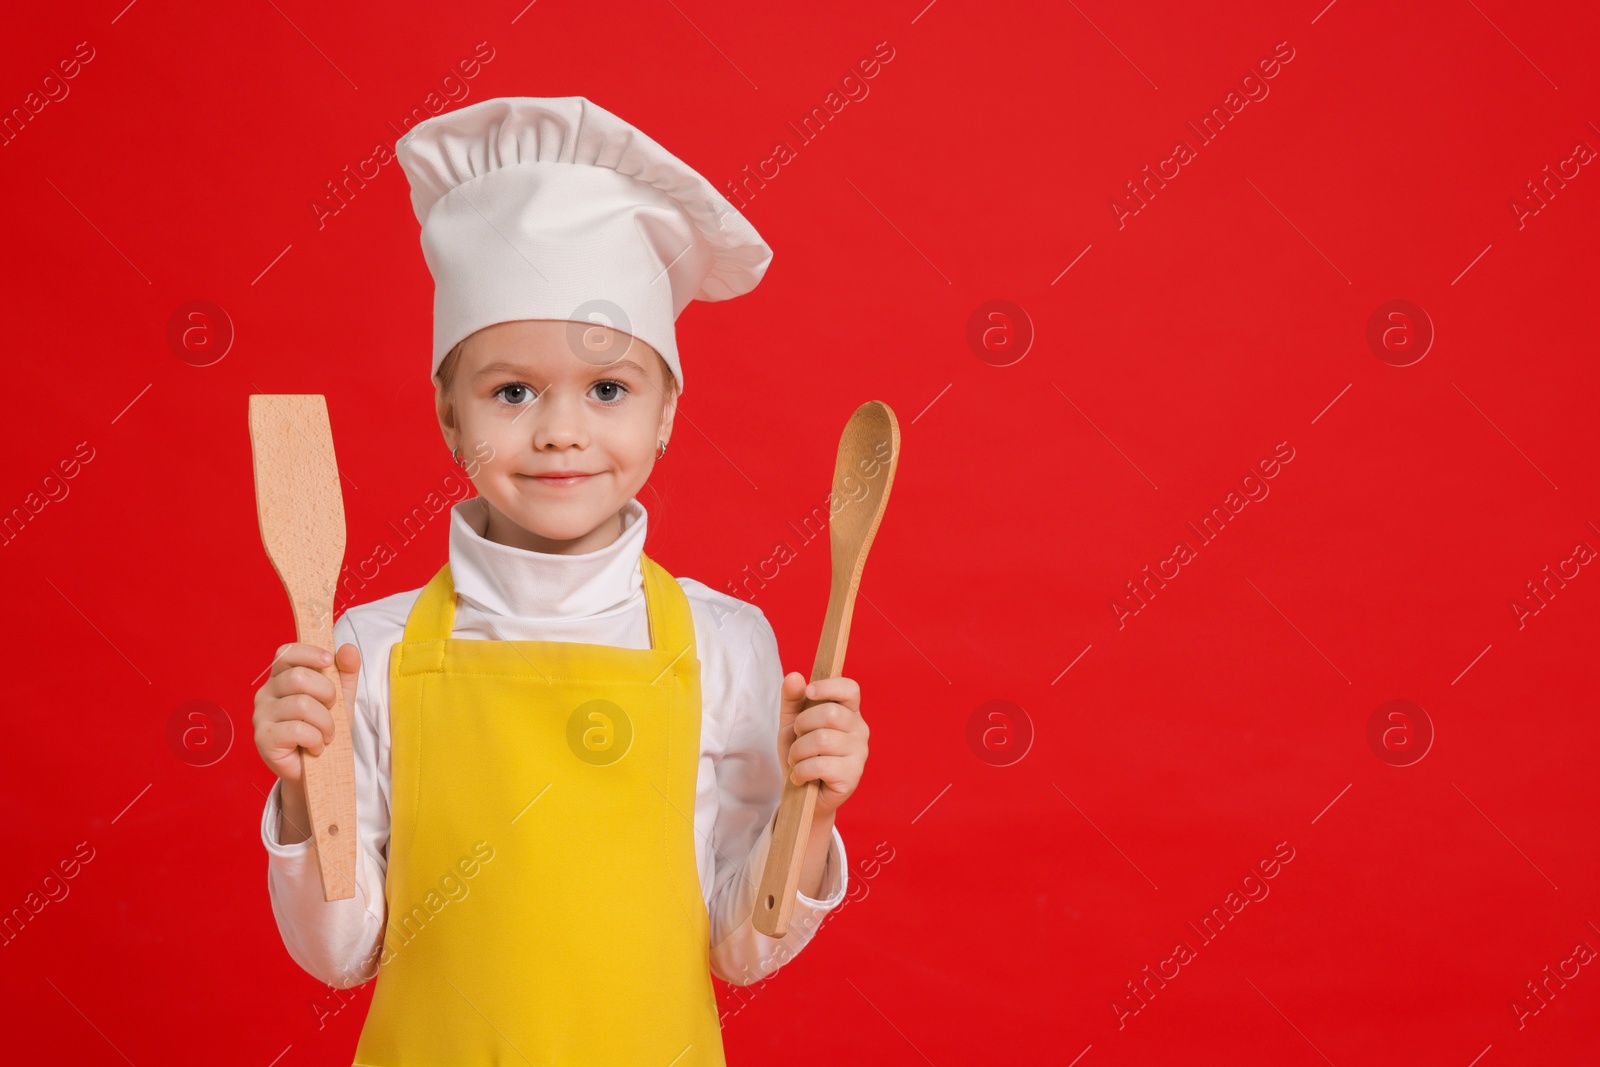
{"x": 554, "y": 208}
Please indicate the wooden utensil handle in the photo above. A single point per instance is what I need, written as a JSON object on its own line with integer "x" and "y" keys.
{"x": 325, "y": 777}
{"x": 791, "y": 830}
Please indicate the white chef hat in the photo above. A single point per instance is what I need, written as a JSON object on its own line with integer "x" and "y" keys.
{"x": 554, "y": 208}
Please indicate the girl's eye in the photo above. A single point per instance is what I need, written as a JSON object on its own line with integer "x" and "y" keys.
{"x": 618, "y": 391}
{"x": 517, "y": 394}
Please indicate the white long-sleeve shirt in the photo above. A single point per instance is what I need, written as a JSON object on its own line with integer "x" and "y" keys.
{"x": 507, "y": 593}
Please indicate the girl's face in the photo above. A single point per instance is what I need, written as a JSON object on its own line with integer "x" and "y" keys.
{"x": 538, "y": 397}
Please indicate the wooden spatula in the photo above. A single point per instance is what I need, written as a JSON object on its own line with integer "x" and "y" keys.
{"x": 302, "y": 527}
{"x": 869, "y": 450}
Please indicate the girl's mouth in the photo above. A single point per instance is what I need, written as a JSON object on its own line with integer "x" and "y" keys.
{"x": 560, "y": 478}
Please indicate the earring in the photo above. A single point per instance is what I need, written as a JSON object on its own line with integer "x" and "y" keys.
{"x": 455, "y": 454}
{"x": 661, "y": 450}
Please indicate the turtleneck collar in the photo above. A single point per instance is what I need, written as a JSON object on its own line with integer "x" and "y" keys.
{"x": 502, "y": 580}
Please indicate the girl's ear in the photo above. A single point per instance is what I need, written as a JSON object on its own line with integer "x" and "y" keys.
{"x": 670, "y": 408}
{"x": 446, "y": 410}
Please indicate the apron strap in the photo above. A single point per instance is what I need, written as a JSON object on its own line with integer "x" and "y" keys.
{"x": 671, "y": 623}
{"x": 433, "y": 616}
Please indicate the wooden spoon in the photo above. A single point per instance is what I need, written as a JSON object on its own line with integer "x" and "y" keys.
{"x": 302, "y": 526}
{"x": 869, "y": 450}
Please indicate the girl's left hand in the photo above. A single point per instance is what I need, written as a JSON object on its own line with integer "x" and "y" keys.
{"x": 826, "y": 741}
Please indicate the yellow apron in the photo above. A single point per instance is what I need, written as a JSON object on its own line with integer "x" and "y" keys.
{"x": 544, "y": 906}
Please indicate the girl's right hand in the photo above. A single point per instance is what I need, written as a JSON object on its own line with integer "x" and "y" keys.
{"x": 292, "y": 706}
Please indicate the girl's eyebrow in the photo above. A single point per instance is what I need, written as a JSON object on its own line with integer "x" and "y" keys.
{"x": 621, "y": 365}
{"x": 502, "y": 367}
{"x": 499, "y": 367}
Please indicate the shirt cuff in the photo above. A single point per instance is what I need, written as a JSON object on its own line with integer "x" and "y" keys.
{"x": 269, "y": 827}
{"x": 835, "y": 876}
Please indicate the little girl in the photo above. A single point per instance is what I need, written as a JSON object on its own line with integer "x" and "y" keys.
{"x": 567, "y": 761}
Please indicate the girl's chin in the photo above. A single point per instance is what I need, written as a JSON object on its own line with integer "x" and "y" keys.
{"x": 557, "y": 520}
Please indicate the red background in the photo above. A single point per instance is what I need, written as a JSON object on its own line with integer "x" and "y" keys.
{"x": 1226, "y": 316}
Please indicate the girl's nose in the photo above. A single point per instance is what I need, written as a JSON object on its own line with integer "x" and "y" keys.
{"x": 561, "y": 422}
